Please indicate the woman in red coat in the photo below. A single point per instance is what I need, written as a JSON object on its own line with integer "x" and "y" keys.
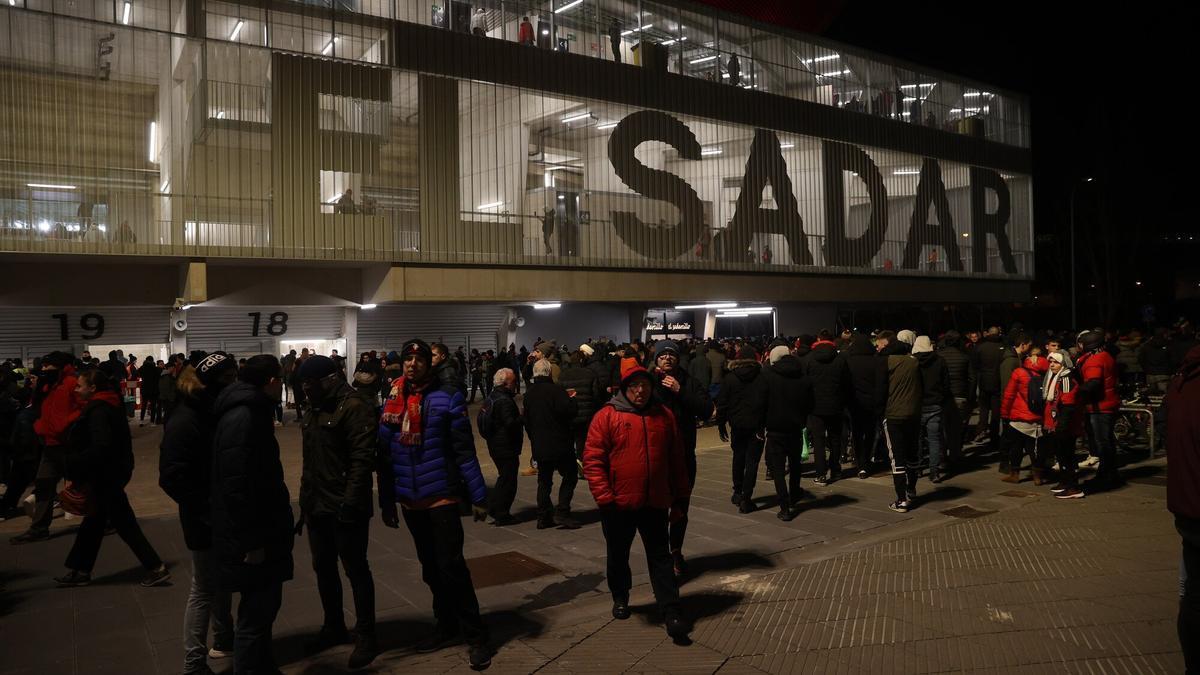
{"x": 1023, "y": 419}
{"x": 634, "y": 465}
{"x": 1063, "y": 423}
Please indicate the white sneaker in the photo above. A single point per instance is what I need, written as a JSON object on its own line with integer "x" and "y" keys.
{"x": 215, "y": 653}
{"x": 1090, "y": 461}
{"x": 1055, "y": 467}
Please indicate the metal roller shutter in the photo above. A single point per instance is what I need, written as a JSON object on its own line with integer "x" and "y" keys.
{"x": 233, "y": 328}
{"x": 33, "y": 331}
{"x": 388, "y": 327}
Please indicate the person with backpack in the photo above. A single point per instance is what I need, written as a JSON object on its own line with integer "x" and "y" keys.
{"x": 1062, "y": 422}
{"x": 500, "y": 425}
{"x": 1023, "y": 410}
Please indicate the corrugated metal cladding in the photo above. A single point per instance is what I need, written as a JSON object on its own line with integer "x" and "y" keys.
{"x": 237, "y": 328}
{"x": 389, "y": 327}
{"x": 26, "y": 331}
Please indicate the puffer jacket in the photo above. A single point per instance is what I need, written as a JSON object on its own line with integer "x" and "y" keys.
{"x": 99, "y": 446}
{"x": 692, "y": 404}
{"x": 634, "y": 458}
{"x": 549, "y": 413}
{"x": 414, "y": 471}
{"x": 588, "y": 397}
{"x": 1062, "y": 404}
{"x": 717, "y": 364}
{"x": 149, "y": 373}
{"x": 1098, "y": 394}
{"x": 185, "y": 467}
{"x": 59, "y": 408}
{"x": 339, "y": 456}
{"x": 1014, "y": 406}
{"x": 742, "y": 400}
{"x": 935, "y": 379}
{"x": 789, "y": 396}
{"x": 1182, "y": 404}
{"x": 595, "y": 363}
{"x": 830, "y": 377}
{"x": 864, "y": 368}
{"x": 508, "y": 429}
{"x": 698, "y": 368}
{"x": 251, "y": 506}
{"x": 988, "y": 354}
{"x": 958, "y": 371}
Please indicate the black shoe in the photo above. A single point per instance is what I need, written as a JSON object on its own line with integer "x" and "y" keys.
{"x": 11, "y": 513}
{"x": 366, "y": 648}
{"x": 900, "y": 506}
{"x": 546, "y": 522}
{"x": 821, "y": 480}
{"x": 935, "y": 477}
{"x": 438, "y": 640}
{"x": 29, "y": 537}
{"x": 797, "y": 495}
{"x": 156, "y": 576}
{"x": 736, "y": 499}
{"x": 677, "y": 627}
{"x": 746, "y": 506}
{"x": 566, "y": 522}
{"x": 480, "y": 657}
{"x": 73, "y": 578}
{"x": 786, "y": 515}
{"x": 862, "y": 473}
{"x": 678, "y": 564}
{"x": 504, "y": 520}
{"x": 620, "y": 610}
{"x": 326, "y": 638}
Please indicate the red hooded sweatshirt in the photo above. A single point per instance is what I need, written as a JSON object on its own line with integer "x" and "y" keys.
{"x": 1015, "y": 404}
{"x": 59, "y": 410}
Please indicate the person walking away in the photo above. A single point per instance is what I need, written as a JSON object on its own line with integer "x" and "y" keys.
{"x": 167, "y": 390}
{"x": 501, "y": 426}
{"x": 741, "y": 403}
{"x": 789, "y": 404}
{"x": 716, "y": 362}
{"x": 988, "y": 355}
{"x": 339, "y": 433}
{"x": 957, "y": 408}
{"x": 428, "y": 460}
{"x": 1023, "y": 410}
{"x": 584, "y": 388}
{"x": 832, "y": 388}
{"x": 1182, "y": 406}
{"x": 689, "y": 404}
{"x": 549, "y": 413}
{"x": 58, "y": 407}
{"x": 699, "y": 368}
{"x": 1062, "y": 423}
{"x": 149, "y": 373}
{"x": 639, "y": 481}
{"x": 99, "y": 459}
{"x": 595, "y": 363}
{"x": 252, "y": 520}
{"x": 525, "y": 32}
{"x": 185, "y": 475}
{"x": 1098, "y": 395}
{"x": 935, "y": 399}
{"x": 900, "y": 391}
{"x": 863, "y": 365}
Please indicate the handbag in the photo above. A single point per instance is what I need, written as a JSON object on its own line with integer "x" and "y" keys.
{"x": 76, "y": 499}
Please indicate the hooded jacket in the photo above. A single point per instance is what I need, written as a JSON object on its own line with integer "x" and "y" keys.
{"x": 59, "y": 409}
{"x": 899, "y": 383}
{"x": 863, "y": 363}
{"x": 634, "y": 458}
{"x": 1014, "y": 406}
{"x": 339, "y": 456}
{"x": 1009, "y": 363}
{"x": 1182, "y": 404}
{"x": 789, "y": 397}
{"x": 691, "y": 405}
{"x": 251, "y": 507}
{"x": 741, "y": 401}
{"x": 1098, "y": 393}
{"x": 958, "y": 370}
{"x": 549, "y": 413}
{"x": 185, "y": 463}
{"x": 935, "y": 379}
{"x": 830, "y": 378}
{"x": 100, "y": 450}
{"x": 588, "y": 397}
{"x": 987, "y": 355}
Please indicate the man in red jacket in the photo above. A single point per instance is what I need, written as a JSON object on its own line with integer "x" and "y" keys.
{"x": 58, "y": 408}
{"x": 1100, "y": 402}
{"x": 1182, "y": 407}
{"x": 634, "y": 465}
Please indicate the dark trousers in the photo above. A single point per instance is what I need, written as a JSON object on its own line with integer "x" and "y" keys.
{"x": 505, "y": 491}
{"x": 1102, "y": 444}
{"x": 1064, "y": 453}
{"x": 825, "y": 435}
{"x": 783, "y": 450}
{"x": 863, "y": 423}
{"x": 476, "y": 385}
{"x": 45, "y": 486}
{"x": 616, "y": 49}
{"x": 901, "y": 437}
{"x": 1021, "y": 445}
{"x": 256, "y": 613}
{"x": 151, "y": 405}
{"x": 167, "y": 407}
{"x": 679, "y": 527}
{"x": 1188, "y": 623}
{"x": 580, "y": 432}
{"x": 330, "y": 540}
{"x": 566, "y": 467}
{"x": 438, "y": 536}
{"x": 112, "y": 508}
{"x": 989, "y": 415}
{"x": 955, "y": 422}
{"x": 619, "y": 527}
{"x": 20, "y": 476}
{"x": 747, "y": 451}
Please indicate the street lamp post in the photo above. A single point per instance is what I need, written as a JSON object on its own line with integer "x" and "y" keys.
{"x": 1074, "y": 314}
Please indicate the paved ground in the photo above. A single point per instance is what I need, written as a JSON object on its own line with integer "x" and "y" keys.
{"x": 1031, "y": 585}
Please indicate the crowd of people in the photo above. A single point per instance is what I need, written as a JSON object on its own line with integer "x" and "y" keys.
{"x": 395, "y": 430}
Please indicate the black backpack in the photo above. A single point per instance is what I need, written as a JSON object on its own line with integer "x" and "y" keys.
{"x": 1034, "y": 396}
{"x": 483, "y": 419}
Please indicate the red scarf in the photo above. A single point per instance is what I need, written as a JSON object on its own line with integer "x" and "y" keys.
{"x": 404, "y": 410}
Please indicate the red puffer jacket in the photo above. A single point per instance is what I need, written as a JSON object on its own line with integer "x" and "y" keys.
{"x": 634, "y": 459}
{"x": 1015, "y": 404}
{"x": 59, "y": 410}
{"x": 1098, "y": 371}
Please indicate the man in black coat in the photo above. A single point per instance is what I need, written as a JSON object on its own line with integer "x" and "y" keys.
{"x": 148, "y": 374}
{"x": 935, "y": 401}
{"x": 741, "y": 402}
{"x": 863, "y": 365}
{"x": 549, "y": 411}
{"x": 582, "y": 385}
{"x": 596, "y": 363}
{"x": 962, "y": 385}
{"x": 987, "y": 357}
{"x": 830, "y": 377}
{"x": 184, "y": 473}
{"x": 251, "y": 512}
{"x": 689, "y": 402}
{"x": 504, "y": 430}
{"x": 789, "y": 402}
{"x": 339, "y": 440}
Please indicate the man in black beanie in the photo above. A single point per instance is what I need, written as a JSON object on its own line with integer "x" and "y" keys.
{"x": 339, "y": 431}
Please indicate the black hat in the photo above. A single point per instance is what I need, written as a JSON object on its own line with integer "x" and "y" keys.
{"x": 666, "y": 347}
{"x": 211, "y": 367}
{"x": 417, "y": 347}
{"x": 1091, "y": 340}
{"x": 58, "y": 359}
{"x": 316, "y": 368}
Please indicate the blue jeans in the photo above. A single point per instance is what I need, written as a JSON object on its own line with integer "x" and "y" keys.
{"x": 931, "y": 423}
{"x": 205, "y": 604}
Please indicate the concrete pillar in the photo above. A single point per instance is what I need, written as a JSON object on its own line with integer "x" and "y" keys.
{"x": 350, "y": 333}
{"x": 710, "y": 324}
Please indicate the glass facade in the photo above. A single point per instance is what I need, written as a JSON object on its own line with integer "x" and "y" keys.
{"x": 290, "y": 130}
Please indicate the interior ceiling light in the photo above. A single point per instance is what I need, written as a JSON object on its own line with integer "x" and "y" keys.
{"x": 703, "y": 59}
{"x": 50, "y": 186}
{"x": 749, "y": 310}
{"x": 489, "y": 205}
{"x": 547, "y": 305}
{"x": 709, "y": 152}
{"x": 606, "y": 125}
{"x": 673, "y": 41}
{"x": 236, "y": 29}
{"x": 827, "y": 58}
{"x": 906, "y": 172}
{"x": 785, "y": 146}
{"x": 570, "y": 5}
{"x": 127, "y": 13}
{"x": 576, "y": 117}
{"x": 329, "y": 47}
{"x": 634, "y": 30}
{"x": 710, "y": 305}
{"x": 914, "y": 86}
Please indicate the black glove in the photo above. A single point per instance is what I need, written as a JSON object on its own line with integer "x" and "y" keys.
{"x": 480, "y": 512}
{"x": 299, "y": 529}
{"x": 391, "y": 517}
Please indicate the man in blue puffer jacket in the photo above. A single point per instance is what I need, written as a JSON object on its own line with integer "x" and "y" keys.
{"x": 427, "y": 463}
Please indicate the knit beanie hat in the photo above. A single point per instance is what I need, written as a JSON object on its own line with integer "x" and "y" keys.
{"x": 664, "y": 347}
{"x": 417, "y": 347}
{"x": 630, "y": 368}
{"x": 586, "y": 349}
{"x": 922, "y": 344}
{"x": 211, "y": 367}
{"x": 316, "y": 368}
{"x": 906, "y": 336}
{"x": 778, "y": 353}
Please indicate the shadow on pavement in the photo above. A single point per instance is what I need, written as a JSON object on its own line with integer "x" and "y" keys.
{"x": 562, "y": 592}
{"x": 827, "y": 501}
{"x": 943, "y": 493}
{"x": 724, "y": 562}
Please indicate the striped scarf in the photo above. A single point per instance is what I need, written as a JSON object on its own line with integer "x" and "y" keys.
{"x": 404, "y": 410}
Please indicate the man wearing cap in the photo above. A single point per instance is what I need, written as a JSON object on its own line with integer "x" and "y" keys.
{"x": 640, "y": 482}
{"x": 339, "y": 432}
{"x": 428, "y": 460}
{"x": 1100, "y": 402}
{"x": 689, "y": 403}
